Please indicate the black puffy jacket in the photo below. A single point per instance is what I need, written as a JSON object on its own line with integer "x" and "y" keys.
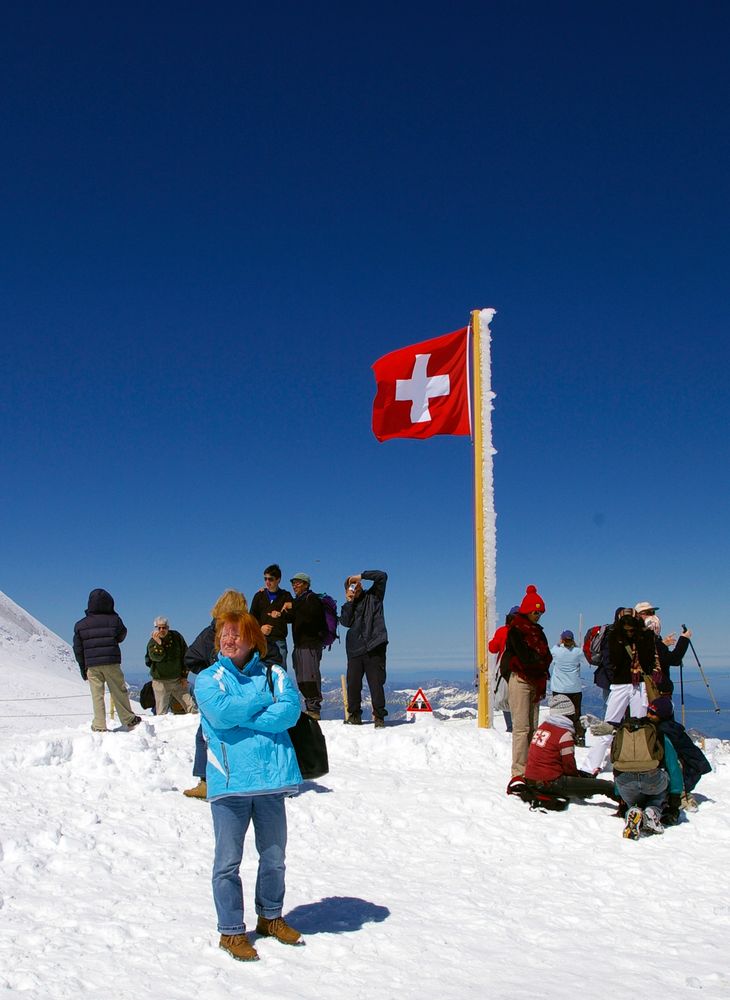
{"x": 97, "y": 636}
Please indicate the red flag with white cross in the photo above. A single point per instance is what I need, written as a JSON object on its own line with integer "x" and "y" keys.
{"x": 423, "y": 390}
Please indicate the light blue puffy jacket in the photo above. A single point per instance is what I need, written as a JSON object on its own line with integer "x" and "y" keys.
{"x": 566, "y": 669}
{"x": 245, "y": 727}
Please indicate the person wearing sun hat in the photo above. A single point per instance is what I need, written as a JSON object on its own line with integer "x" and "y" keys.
{"x": 306, "y": 616}
{"x": 667, "y": 657}
{"x": 526, "y": 662}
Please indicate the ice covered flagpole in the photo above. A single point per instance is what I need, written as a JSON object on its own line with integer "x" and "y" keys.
{"x": 485, "y": 519}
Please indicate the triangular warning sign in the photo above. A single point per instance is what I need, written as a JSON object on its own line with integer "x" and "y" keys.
{"x": 419, "y": 703}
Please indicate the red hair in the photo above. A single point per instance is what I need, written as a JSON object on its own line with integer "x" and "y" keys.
{"x": 248, "y": 628}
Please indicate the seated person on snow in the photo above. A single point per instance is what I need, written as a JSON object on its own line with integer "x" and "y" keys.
{"x": 551, "y": 763}
{"x": 692, "y": 761}
{"x": 647, "y": 775}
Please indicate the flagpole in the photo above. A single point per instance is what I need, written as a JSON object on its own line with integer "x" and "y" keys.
{"x": 484, "y": 515}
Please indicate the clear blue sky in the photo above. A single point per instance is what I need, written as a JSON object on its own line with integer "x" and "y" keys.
{"x": 216, "y": 217}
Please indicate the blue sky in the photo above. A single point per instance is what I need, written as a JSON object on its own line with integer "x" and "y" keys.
{"x": 216, "y": 218}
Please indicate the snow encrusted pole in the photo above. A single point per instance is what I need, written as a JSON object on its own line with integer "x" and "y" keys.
{"x": 485, "y": 535}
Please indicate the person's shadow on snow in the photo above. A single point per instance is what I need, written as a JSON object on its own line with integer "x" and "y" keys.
{"x": 313, "y": 786}
{"x": 336, "y": 915}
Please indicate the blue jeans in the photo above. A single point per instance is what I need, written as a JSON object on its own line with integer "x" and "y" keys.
{"x": 283, "y": 649}
{"x": 643, "y": 788}
{"x": 231, "y": 816}
{"x": 201, "y": 755}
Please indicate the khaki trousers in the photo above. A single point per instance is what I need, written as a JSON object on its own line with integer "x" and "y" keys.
{"x": 166, "y": 690}
{"x": 111, "y": 675}
{"x": 525, "y": 715}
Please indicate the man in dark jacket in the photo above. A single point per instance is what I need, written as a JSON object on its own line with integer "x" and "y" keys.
{"x": 266, "y": 607}
{"x": 526, "y": 662}
{"x": 306, "y": 614}
{"x": 164, "y": 658}
{"x": 367, "y": 639}
{"x": 96, "y": 648}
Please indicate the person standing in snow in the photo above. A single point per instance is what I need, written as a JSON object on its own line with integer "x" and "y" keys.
{"x": 526, "y": 661}
{"x": 567, "y": 658}
{"x": 551, "y": 763}
{"x": 165, "y": 660}
{"x": 96, "y": 648}
{"x": 628, "y": 655}
{"x": 306, "y": 614}
{"x": 496, "y": 645}
{"x": 266, "y": 607}
{"x": 667, "y": 657}
{"x": 247, "y": 707}
{"x": 200, "y": 655}
{"x": 366, "y": 644}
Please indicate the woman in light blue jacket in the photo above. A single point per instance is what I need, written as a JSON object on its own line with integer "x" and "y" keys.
{"x": 246, "y": 710}
{"x": 567, "y": 659}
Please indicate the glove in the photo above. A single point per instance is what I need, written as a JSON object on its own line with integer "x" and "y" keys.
{"x": 83, "y": 673}
{"x": 603, "y": 729}
{"x": 589, "y": 720}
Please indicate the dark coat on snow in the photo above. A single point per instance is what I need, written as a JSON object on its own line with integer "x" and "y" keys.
{"x": 97, "y": 636}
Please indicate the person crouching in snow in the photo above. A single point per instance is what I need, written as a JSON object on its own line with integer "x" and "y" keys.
{"x": 526, "y": 661}
{"x": 647, "y": 775}
{"x": 692, "y": 761}
{"x": 551, "y": 763}
{"x": 247, "y": 708}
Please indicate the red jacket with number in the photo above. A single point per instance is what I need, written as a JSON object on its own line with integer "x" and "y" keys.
{"x": 552, "y": 750}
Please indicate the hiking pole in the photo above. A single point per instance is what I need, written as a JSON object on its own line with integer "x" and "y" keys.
{"x": 681, "y": 688}
{"x": 344, "y": 695}
{"x": 702, "y": 673}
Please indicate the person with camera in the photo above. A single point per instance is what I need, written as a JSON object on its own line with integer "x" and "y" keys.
{"x": 165, "y": 660}
{"x": 367, "y": 639}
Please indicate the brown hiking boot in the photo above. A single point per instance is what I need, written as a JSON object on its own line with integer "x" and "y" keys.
{"x": 199, "y": 792}
{"x": 279, "y": 929}
{"x": 239, "y": 947}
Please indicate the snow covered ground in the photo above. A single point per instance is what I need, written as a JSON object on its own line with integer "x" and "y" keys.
{"x": 410, "y": 872}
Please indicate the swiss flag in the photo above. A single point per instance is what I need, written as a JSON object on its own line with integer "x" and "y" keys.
{"x": 423, "y": 389}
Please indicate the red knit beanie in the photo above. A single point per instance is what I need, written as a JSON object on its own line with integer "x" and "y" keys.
{"x": 532, "y": 601}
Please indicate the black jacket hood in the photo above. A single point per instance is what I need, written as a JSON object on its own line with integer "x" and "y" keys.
{"x": 101, "y": 602}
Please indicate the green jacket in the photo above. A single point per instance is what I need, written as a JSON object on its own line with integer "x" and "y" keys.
{"x": 165, "y": 659}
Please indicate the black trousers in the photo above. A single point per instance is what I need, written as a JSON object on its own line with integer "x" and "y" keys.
{"x": 578, "y": 786}
{"x": 372, "y": 666}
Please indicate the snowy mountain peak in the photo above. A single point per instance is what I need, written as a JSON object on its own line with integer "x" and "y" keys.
{"x": 39, "y": 678}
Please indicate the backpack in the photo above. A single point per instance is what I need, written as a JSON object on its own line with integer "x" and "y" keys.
{"x": 329, "y": 606}
{"x": 147, "y": 696}
{"x": 637, "y": 746}
{"x": 592, "y": 644}
{"x": 537, "y": 800}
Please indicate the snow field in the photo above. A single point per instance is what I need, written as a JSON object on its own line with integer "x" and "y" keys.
{"x": 410, "y": 872}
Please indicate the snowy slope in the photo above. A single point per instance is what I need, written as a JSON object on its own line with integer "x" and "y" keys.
{"x": 409, "y": 870}
{"x": 39, "y": 678}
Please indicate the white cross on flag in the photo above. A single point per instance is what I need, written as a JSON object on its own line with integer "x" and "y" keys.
{"x": 423, "y": 389}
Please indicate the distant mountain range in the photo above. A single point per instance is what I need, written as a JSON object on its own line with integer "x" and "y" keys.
{"x": 457, "y": 699}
